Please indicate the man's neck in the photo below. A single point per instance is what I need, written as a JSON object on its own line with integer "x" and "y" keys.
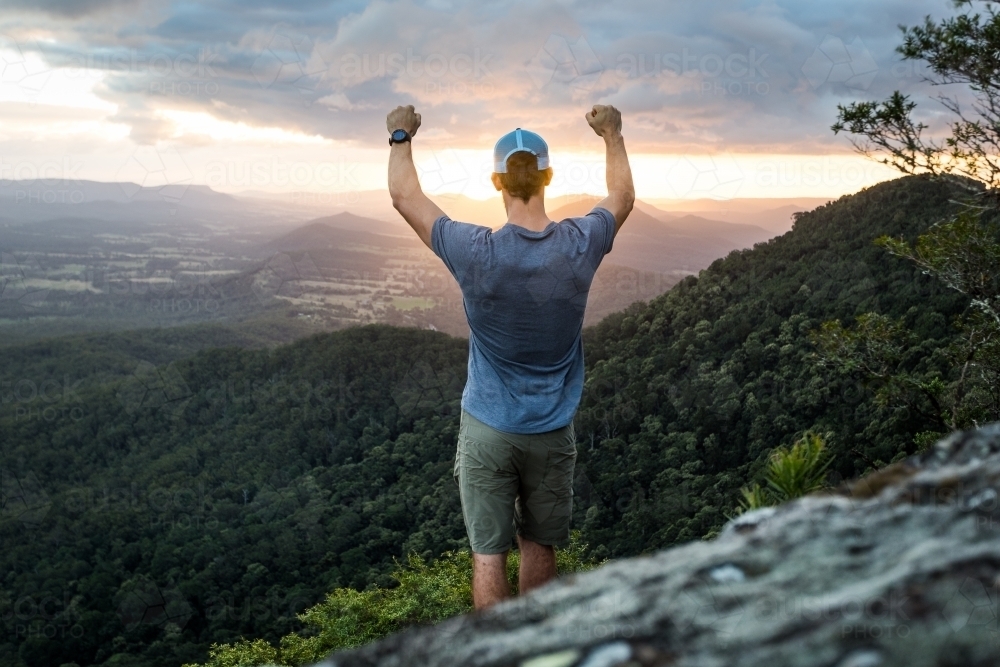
{"x": 530, "y": 215}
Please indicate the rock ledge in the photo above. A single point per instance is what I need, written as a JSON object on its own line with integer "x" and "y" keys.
{"x": 900, "y": 568}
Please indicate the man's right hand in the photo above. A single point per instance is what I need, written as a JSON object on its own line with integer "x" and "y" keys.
{"x": 605, "y": 119}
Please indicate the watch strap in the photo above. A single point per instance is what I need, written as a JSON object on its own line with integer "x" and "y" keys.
{"x": 406, "y": 137}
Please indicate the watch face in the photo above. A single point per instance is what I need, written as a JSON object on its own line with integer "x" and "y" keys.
{"x": 399, "y": 135}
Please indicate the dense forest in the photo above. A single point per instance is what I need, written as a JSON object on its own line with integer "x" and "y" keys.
{"x": 687, "y": 395}
{"x": 199, "y": 498}
{"x": 232, "y": 488}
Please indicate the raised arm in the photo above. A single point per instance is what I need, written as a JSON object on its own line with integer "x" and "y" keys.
{"x": 404, "y": 186}
{"x": 607, "y": 123}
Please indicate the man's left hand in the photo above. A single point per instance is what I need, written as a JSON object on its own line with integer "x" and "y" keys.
{"x": 403, "y": 118}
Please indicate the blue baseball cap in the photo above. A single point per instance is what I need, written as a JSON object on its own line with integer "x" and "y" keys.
{"x": 517, "y": 141}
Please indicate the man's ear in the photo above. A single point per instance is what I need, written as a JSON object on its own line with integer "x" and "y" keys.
{"x": 495, "y": 177}
{"x": 548, "y": 175}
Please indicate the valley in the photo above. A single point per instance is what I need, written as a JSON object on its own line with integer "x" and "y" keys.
{"x": 120, "y": 258}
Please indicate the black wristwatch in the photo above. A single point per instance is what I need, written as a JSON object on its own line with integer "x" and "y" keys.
{"x": 398, "y": 137}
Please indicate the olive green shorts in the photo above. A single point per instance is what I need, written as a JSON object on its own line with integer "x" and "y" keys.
{"x": 514, "y": 483}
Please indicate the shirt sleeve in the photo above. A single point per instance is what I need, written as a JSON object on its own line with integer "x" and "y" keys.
{"x": 603, "y": 229}
{"x": 457, "y": 244}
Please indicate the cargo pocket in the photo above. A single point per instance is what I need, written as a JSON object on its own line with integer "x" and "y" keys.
{"x": 560, "y": 464}
{"x": 558, "y": 491}
{"x": 489, "y": 465}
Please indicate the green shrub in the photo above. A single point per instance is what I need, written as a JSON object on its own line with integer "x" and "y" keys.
{"x": 791, "y": 473}
{"x": 243, "y": 653}
{"x": 427, "y": 593}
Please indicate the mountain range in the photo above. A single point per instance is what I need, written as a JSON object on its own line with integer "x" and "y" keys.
{"x": 650, "y": 240}
{"x": 85, "y": 256}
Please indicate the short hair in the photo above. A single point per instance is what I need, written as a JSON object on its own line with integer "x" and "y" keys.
{"x": 523, "y": 179}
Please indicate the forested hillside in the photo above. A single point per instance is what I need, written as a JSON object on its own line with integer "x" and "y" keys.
{"x": 686, "y": 396}
{"x": 225, "y": 493}
{"x": 216, "y": 496}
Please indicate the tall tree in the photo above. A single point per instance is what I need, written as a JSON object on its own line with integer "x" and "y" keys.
{"x": 962, "y": 251}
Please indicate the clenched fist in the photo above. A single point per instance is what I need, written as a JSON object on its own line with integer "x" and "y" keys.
{"x": 605, "y": 119}
{"x": 403, "y": 118}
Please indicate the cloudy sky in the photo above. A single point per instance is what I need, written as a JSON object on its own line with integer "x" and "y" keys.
{"x": 720, "y": 98}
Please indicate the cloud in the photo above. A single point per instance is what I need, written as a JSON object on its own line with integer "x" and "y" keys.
{"x": 688, "y": 77}
{"x": 71, "y": 8}
{"x": 145, "y": 127}
{"x": 336, "y": 101}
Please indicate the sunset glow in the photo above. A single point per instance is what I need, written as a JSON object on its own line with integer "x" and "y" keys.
{"x": 299, "y": 105}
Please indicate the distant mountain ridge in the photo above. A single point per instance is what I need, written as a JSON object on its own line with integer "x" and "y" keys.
{"x": 67, "y": 191}
{"x": 650, "y": 240}
{"x": 42, "y": 199}
{"x": 344, "y": 229}
{"x": 775, "y": 215}
{"x": 670, "y": 245}
{"x": 683, "y": 223}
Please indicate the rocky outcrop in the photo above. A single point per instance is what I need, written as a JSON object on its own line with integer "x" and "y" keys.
{"x": 901, "y": 568}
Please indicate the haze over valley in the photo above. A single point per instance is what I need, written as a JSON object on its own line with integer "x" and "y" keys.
{"x": 85, "y": 256}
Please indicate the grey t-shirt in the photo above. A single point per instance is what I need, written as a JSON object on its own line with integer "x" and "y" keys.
{"x": 525, "y": 294}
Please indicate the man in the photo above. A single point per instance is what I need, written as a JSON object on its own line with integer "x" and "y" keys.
{"x": 525, "y": 289}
